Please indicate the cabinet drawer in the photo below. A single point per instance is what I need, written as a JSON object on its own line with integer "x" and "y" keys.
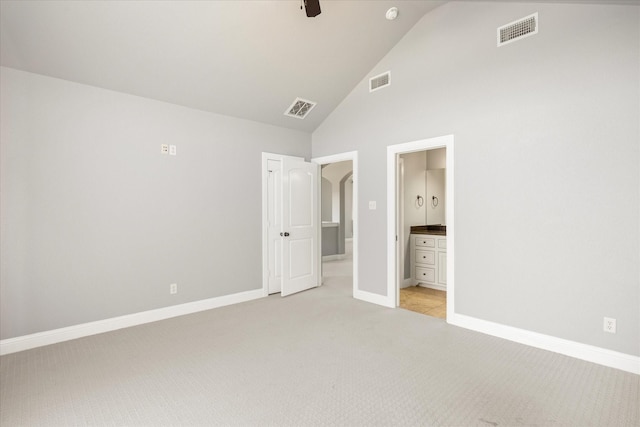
{"x": 442, "y": 243}
{"x": 428, "y": 242}
{"x": 425, "y": 257}
{"x": 425, "y": 274}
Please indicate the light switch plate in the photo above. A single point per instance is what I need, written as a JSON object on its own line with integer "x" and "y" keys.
{"x": 164, "y": 148}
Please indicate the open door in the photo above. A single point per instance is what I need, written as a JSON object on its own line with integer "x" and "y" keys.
{"x": 290, "y": 224}
{"x": 300, "y": 225}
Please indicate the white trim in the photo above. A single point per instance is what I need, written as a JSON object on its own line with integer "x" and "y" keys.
{"x": 341, "y": 157}
{"x": 433, "y": 286}
{"x": 601, "y": 356}
{"x": 26, "y": 342}
{"x": 373, "y": 298}
{"x": 407, "y": 283}
{"x": 400, "y": 225}
{"x": 265, "y": 237}
{"x": 410, "y": 147}
{"x": 336, "y": 257}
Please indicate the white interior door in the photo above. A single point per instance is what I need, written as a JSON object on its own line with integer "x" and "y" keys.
{"x": 300, "y": 226}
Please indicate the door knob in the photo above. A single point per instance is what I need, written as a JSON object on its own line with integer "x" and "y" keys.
{"x": 285, "y": 234}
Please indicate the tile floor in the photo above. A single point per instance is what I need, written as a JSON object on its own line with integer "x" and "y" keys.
{"x": 427, "y": 301}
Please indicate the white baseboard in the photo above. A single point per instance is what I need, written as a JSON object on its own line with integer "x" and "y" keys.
{"x": 26, "y": 342}
{"x": 406, "y": 283}
{"x": 335, "y": 257}
{"x": 601, "y": 356}
{"x": 436, "y": 287}
{"x": 373, "y": 298}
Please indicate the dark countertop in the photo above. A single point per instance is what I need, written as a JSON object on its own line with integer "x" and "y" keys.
{"x": 437, "y": 230}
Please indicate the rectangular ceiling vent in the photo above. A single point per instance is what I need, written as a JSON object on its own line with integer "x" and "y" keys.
{"x": 300, "y": 108}
{"x": 379, "y": 81}
{"x": 518, "y": 30}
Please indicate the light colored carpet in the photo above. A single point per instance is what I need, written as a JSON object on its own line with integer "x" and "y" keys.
{"x": 315, "y": 358}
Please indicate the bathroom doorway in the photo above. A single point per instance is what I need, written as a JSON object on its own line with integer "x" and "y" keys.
{"x": 420, "y": 226}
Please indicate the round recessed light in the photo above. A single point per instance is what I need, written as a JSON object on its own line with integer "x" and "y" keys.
{"x": 392, "y": 13}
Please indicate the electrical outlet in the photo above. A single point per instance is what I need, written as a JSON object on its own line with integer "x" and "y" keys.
{"x": 164, "y": 148}
{"x": 609, "y": 325}
{"x": 173, "y": 288}
{"x": 172, "y": 150}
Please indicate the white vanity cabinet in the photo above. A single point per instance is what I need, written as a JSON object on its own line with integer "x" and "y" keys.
{"x": 429, "y": 260}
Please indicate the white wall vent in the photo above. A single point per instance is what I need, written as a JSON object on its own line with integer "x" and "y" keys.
{"x": 300, "y": 108}
{"x": 518, "y": 30}
{"x": 379, "y": 81}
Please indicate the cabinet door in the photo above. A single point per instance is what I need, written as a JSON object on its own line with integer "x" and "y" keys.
{"x": 442, "y": 268}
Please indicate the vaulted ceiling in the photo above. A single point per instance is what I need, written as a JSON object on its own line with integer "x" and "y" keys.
{"x": 248, "y": 59}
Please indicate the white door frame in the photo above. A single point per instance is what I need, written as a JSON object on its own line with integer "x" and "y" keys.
{"x": 325, "y": 160}
{"x": 392, "y": 263}
{"x": 400, "y": 224}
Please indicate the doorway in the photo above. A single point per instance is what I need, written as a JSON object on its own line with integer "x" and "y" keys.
{"x": 422, "y": 232}
{"x": 339, "y": 214}
{"x": 438, "y": 251}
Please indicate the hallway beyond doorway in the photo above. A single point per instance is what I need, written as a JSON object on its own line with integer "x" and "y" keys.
{"x": 340, "y": 267}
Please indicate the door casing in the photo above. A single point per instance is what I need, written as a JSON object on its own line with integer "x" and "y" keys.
{"x": 392, "y": 220}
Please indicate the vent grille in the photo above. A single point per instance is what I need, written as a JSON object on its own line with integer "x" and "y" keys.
{"x": 517, "y": 30}
{"x": 379, "y": 81}
{"x": 300, "y": 108}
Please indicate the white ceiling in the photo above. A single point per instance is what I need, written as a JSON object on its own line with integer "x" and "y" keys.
{"x": 248, "y": 59}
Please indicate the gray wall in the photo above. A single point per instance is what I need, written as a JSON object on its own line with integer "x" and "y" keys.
{"x": 327, "y": 199}
{"x": 96, "y": 223}
{"x": 547, "y": 181}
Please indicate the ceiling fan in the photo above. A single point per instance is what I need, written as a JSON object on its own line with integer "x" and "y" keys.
{"x": 312, "y": 7}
